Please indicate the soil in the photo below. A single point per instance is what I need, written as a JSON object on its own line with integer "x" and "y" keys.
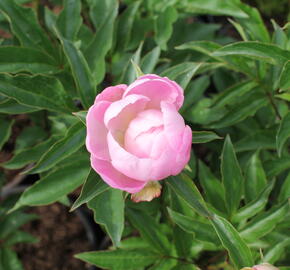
{"x": 61, "y": 235}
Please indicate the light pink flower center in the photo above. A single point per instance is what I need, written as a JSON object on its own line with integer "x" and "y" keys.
{"x": 142, "y": 133}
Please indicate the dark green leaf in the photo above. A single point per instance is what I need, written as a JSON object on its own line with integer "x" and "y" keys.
{"x": 119, "y": 259}
{"x": 277, "y": 251}
{"x": 150, "y": 60}
{"x": 6, "y": 127}
{"x": 150, "y": 230}
{"x": 11, "y": 106}
{"x": 9, "y": 260}
{"x": 255, "y": 179}
{"x": 255, "y": 50}
{"x": 201, "y": 230}
{"x": 283, "y": 133}
{"x": 239, "y": 252}
{"x": 163, "y": 26}
{"x": 36, "y": 91}
{"x": 284, "y": 81}
{"x": 82, "y": 75}
{"x": 25, "y": 26}
{"x": 15, "y": 59}
{"x": 93, "y": 186}
{"x": 231, "y": 176}
{"x": 55, "y": 185}
{"x": 103, "y": 14}
{"x": 264, "y": 223}
{"x": 285, "y": 189}
{"x": 204, "y": 136}
{"x": 255, "y": 206}
{"x": 183, "y": 186}
{"x": 213, "y": 188}
{"x": 275, "y": 167}
{"x": 108, "y": 208}
{"x": 28, "y": 155}
{"x": 20, "y": 237}
{"x": 73, "y": 140}
{"x": 81, "y": 115}
{"x": 70, "y": 20}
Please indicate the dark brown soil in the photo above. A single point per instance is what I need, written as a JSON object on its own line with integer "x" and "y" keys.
{"x": 61, "y": 235}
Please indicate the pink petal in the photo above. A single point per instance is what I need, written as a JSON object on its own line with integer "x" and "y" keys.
{"x": 157, "y": 89}
{"x": 96, "y": 140}
{"x": 121, "y": 112}
{"x": 114, "y": 178}
{"x": 173, "y": 125}
{"x": 143, "y": 169}
{"x": 183, "y": 155}
{"x": 112, "y": 93}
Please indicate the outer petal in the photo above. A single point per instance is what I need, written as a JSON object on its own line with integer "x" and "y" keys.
{"x": 157, "y": 89}
{"x": 114, "y": 178}
{"x": 173, "y": 125}
{"x": 112, "y": 93}
{"x": 120, "y": 113}
{"x": 96, "y": 140}
{"x": 183, "y": 155}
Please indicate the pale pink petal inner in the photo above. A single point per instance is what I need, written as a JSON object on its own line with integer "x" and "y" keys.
{"x": 112, "y": 93}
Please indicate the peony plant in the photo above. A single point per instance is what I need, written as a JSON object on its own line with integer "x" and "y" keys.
{"x": 167, "y": 121}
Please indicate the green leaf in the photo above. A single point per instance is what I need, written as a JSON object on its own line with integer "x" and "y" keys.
{"x": 16, "y": 59}
{"x": 81, "y": 72}
{"x": 213, "y": 188}
{"x": 125, "y": 24}
{"x": 233, "y": 93}
{"x": 285, "y": 189}
{"x": 6, "y": 127}
{"x": 55, "y": 185}
{"x": 264, "y": 223}
{"x": 25, "y": 26}
{"x": 179, "y": 69}
{"x": 183, "y": 186}
{"x": 69, "y": 21}
{"x": 9, "y": 260}
{"x": 284, "y": 80}
{"x": 93, "y": 186}
{"x": 103, "y": 14}
{"x": 36, "y": 91}
{"x": 260, "y": 139}
{"x": 20, "y": 237}
{"x": 232, "y": 178}
{"x": 119, "y": 259}
{"x": 72, "y": 141}
{"x": 28, "y": 155}
{"x": 202, "y": 231}
{"x": 163, "y": 26}
{"x": 204, "y": 136}
{"x": 215, "y": 7}
{"x": 205, "y": 47}
{"x": 255, "y": 50}
{"x": 283, "y": 133}
{"x": 108, "y": 208}
{"x": 275, "y": 167}
{"x": 194, "y": 91}
{"x": 150, "y": 60}
{"x": 81, "y": 115}
{"x": 247, "y": 107}
{"x": 255, "y": 178}
{"x": 10, "y": 223}
{"x": 138, "y": 71}
{"x": 255, "y": 206}
{"x": 277, "y": 251}
{"x": 284, "y": 96}
{"x": 239, "y": 252}
{"x": 150, "y": 230}
{"x": 11, "y": 106}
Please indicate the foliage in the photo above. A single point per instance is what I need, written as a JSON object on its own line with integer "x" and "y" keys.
{"x": 231, "y": 199}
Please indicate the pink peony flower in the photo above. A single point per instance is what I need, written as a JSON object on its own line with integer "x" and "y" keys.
{"x": 135, "y": 134}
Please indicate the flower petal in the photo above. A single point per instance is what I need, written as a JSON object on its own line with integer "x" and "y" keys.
{"x": 173, "y": 125}
{"x": 112, "y": 93}
{"x": 120, "y": 113}
{"x": 157, "y": 89}
{"x": 96, "y": 140}
{"x": 114, "y": 178}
